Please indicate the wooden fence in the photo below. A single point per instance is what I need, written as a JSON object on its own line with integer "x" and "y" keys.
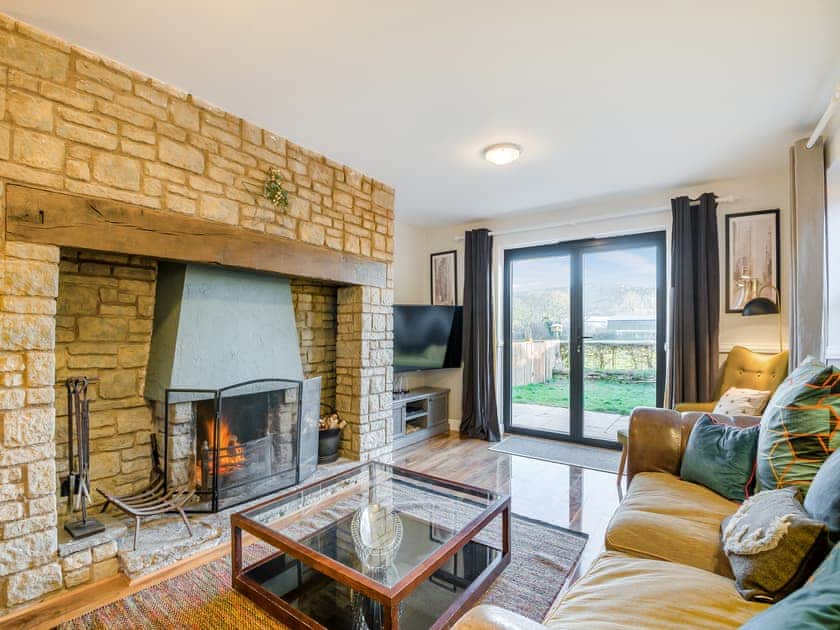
{"x": 538, "y": 361}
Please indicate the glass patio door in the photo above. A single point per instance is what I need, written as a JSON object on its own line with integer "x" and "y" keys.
{"x": 539, "y": 297}
{"x": 584, "y": 336}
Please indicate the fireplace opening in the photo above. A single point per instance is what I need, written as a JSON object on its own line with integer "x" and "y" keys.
{"x": 233, "y": 444}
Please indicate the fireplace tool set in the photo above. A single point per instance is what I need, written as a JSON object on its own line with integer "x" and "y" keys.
{"x": 78, "y": 435}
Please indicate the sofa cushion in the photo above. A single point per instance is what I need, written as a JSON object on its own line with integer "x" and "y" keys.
{"x": 798, "y": 430}
{"x": 721, "y": 457}
{"x": 665, "y": 518}
{"x": 621, "y": 591}
{"x": 488, "y": 617}
{"x": 773, "y": 545}
{"x": 823, "y": 500}
{"x": 815, "y": 606}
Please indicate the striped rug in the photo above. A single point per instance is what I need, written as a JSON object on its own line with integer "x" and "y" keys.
{"x": 202, "y": 599}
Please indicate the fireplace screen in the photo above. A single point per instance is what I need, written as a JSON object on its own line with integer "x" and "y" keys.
{"x": 233, "y": 444}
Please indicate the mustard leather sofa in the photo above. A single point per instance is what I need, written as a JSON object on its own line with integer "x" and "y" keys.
{"x": 662, "y": 567}
{"x": 744, "y": 368}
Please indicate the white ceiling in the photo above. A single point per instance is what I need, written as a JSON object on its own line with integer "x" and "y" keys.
{"x": 605, "y": 96}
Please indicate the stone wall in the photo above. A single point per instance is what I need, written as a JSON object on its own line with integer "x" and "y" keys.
{"x": 364, "y": 370}
{"x": 315, "y": 314}
{"x": 72, "y": 121}
{"x": 28, "y": 537}
{"x": 103, "y": 330}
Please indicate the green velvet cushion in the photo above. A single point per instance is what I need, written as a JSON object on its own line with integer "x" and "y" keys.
{"x": 815, "y": 606}
{"x": 721, "y": 457}
{"x": 798, "y": 428}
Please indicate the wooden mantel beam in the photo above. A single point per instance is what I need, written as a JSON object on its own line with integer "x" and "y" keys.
{"x": 39, "y": 216}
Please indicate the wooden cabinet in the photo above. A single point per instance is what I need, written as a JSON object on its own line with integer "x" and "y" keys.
{"x": 420, "y": 414}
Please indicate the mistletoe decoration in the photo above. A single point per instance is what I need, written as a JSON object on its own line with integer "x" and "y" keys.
{"x": 274, "y": 191}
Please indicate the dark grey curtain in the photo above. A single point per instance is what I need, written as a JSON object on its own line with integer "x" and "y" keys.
{"x": 695, "y": 301}
{"x": 480, "y": 418}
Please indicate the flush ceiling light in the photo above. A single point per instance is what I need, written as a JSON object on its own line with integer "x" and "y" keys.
{"x": 503, "y": 153}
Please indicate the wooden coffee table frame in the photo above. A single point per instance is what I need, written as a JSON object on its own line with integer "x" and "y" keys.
{"x": 390, "y": 598}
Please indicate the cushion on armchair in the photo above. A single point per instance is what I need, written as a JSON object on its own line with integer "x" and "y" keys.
{"x": 741, "y": 401}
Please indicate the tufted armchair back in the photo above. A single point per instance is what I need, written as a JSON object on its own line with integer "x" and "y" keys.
{"x": 747, "y": 369}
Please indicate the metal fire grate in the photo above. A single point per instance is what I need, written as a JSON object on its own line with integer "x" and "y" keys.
{"x": 233, "y": 444}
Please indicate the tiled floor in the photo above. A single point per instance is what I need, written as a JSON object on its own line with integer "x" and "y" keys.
{"x": 568, "y": 496}
{"x": 596, "y": 425}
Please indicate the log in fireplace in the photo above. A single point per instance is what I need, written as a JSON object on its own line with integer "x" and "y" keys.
{"x": 239, "y": 442}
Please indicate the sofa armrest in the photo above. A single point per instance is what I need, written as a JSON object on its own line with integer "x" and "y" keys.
{"x": 655, "y": 441}
{"x": 486, "y": 617}
{"x": 708, "y": 407}
{"x": 657, "y": 437}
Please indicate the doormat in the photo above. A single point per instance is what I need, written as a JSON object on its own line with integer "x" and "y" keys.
{"x": 603, "y": 459}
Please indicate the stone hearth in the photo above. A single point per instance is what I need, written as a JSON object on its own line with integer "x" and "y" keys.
{"x": 163, "y": 540}
{"x": 76, "y": 124}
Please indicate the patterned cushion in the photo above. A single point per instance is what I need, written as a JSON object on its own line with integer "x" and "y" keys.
{"x": 799, "y": 428}
{"x": 740, "y": 401}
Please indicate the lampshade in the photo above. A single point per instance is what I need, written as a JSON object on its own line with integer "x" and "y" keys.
{"x": 760, "y": 306}
{"x": 502, "y": 153}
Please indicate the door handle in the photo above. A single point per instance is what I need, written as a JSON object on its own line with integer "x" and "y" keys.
{"x": 580, "y": 342}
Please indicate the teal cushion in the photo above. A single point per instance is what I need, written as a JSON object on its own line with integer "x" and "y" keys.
{"x": 823, "y": 499}
{"x": 814, "y": 606}
{"x": 721, "y": 457}
{"x": 798, "y": 428}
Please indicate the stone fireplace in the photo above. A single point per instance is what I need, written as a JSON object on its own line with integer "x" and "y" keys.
{"x": 225, "y": 378}
{"x": 104, "y": 173}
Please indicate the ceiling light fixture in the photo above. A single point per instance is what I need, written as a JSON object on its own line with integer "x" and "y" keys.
{"x": 502, "y": 153}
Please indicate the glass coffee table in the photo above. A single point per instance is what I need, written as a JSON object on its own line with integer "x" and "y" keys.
{"x": 377, "y": 546}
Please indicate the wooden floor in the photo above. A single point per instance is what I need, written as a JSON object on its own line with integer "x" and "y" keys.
{"x": 568, "y": 496}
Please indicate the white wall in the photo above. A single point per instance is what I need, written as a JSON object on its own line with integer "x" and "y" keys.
{"x": 411, "y": 265}
{"x": 753, "y": 193}
{"x": 832, "y": 180}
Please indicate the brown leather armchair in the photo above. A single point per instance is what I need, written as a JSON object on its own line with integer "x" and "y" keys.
{"x": 744, "y": 368}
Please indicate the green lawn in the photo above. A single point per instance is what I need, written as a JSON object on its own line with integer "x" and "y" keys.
{"x": 608, "y": 394}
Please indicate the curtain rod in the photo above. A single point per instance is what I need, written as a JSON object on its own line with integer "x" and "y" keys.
{"x": 584, "y": 221}
{"x": 823, "y": 122}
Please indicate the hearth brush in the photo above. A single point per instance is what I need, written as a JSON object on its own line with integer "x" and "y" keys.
{"x": 78, "y": 428}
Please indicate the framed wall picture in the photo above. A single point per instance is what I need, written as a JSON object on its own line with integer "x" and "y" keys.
{"x": 752, "y": 258}
{"x": 445, "y": 278}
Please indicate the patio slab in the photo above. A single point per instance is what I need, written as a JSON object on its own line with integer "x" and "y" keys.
{"x": 597, "y": 425}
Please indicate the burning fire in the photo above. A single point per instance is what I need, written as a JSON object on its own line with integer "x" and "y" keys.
{"x": 231, "y": 454}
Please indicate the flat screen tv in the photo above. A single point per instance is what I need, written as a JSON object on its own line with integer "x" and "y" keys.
{"x": 427, "y": 337}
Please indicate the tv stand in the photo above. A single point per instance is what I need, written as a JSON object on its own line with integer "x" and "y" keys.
{"x": 420, "y": 414}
